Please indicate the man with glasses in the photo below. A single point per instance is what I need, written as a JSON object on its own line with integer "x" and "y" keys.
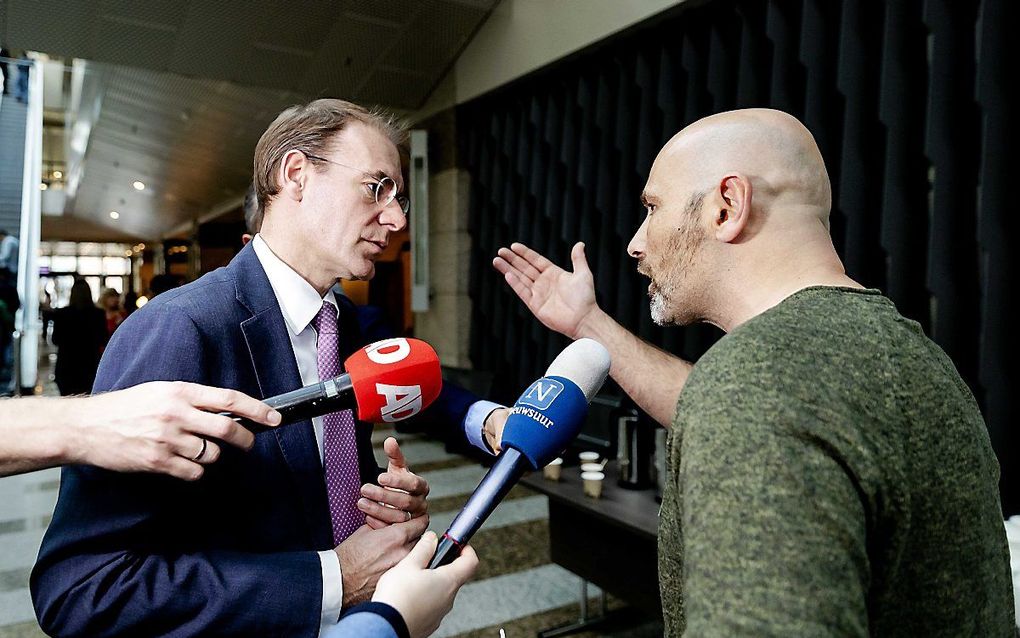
{"x": 277, "y": 541}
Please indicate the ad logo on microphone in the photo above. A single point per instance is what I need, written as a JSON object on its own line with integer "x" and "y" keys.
{"x": 402, "y": 401}
{"x": 541, "y": 394}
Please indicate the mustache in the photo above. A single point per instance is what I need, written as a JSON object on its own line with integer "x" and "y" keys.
{"x": 642, "y": 268}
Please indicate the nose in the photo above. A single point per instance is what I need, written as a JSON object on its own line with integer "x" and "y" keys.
{"x": 393, "y": 217}
{"x": 636, "y": 247}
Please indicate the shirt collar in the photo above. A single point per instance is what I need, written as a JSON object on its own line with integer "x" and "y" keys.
{"x": 299, "y": 301}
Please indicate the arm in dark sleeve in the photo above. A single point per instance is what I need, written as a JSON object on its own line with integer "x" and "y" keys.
{"x": 774, "y": 529}
{"x": 124, "y": 553}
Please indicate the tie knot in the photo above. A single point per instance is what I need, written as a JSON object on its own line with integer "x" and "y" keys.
{"x": 325, "y": 321}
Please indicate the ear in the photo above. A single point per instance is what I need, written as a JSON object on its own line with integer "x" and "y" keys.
{"x": 734, "y": 212}
{"x": 293, "y": 174}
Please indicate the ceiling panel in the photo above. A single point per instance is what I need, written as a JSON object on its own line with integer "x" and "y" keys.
{"x": 188, "y": 86}
{"x": 267, "y": 43}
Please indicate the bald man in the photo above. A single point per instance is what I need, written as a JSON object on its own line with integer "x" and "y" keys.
{"x": 829, "y": 472}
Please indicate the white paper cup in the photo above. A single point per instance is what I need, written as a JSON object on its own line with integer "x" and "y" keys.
{"x": 589, "y": 457}
{"x": 593, "y": 483}
{"x": 552, "y": 471}
{"x": 591, "y": 467}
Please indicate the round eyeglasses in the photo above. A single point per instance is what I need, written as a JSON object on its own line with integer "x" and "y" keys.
{"x": 384, "y": 188}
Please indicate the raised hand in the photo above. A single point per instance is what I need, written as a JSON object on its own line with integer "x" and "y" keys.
{"x": 561, "y": 300}
{"x": 400, "y": 495}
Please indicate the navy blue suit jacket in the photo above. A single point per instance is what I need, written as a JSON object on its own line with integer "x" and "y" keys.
{"x": 233, "y": 553}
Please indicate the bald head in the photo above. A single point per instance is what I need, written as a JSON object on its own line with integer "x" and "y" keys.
{"x": 738, "y": 215}
{"x": 771, "y": 148}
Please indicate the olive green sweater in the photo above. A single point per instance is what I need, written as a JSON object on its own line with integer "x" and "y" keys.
{"x": 829, "y": 474}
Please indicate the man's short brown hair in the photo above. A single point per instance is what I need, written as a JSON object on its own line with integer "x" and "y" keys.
{"x": 310, "y": 128}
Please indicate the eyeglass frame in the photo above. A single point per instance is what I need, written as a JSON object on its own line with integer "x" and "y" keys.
{"x": 403, "y": 201}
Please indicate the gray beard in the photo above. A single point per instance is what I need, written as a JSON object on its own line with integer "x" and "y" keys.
{"x": 658, "y": 308}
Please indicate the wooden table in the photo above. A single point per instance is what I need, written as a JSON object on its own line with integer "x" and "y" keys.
{"x": 610, "y": 541}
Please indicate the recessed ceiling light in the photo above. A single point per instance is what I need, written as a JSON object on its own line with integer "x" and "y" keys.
{"x": 139, "y": 186}
{"x": 58, "y": 174}
{"x": 114, "y": 214}
{"x": 43, "y": 186}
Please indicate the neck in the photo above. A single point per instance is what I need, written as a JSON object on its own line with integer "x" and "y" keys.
{"x": 757, "y": 282}
{"x": 295, "y": 254}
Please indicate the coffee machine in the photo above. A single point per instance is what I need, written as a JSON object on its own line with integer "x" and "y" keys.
{"x": 634, "y": 448}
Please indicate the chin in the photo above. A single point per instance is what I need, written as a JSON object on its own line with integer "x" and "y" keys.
{"x": 363, "y": 273}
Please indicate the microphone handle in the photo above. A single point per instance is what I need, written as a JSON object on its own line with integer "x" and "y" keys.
{"x": 499, "y": 480}
{"x": 307, "y": 402}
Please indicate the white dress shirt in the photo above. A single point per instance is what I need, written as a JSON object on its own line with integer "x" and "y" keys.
{"x": 299, "y": 303}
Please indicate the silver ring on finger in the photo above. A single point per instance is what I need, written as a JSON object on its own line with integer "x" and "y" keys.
{"x": 409, "y": 517}
{"x": 201, "y": 453}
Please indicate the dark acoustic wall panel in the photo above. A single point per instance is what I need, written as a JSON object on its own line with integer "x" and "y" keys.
{"x": 907, "y": 99}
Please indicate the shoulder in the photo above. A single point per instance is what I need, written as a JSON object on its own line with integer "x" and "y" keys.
{"x": 206, "y": 297}
{"x": 201, "y": 305}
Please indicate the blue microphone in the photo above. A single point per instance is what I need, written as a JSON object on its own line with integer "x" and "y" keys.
{"x": 541, "y": 424}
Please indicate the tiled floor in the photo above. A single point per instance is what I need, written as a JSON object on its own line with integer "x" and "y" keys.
{"x": 519, "y": 591}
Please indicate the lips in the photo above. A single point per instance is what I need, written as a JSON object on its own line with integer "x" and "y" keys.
{"x": 380, "y": 245}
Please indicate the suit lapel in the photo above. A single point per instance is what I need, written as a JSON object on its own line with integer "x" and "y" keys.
{"x": 276, "y": 371}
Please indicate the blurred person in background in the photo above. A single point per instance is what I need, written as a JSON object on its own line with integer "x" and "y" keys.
{"x": 161, "y": 283}
{"x": 5, "y": 72}
{"x": 9, "y": 248}
{"x": 110, "y": 303}
{"x": 79, "y": 332}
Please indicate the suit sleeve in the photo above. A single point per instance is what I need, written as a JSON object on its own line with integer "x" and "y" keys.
{"x": 122, "y": 555}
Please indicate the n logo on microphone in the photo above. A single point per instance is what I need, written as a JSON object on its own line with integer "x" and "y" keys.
{"x": 542, "y": 393}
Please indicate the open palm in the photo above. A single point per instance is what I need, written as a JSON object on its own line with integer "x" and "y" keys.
{"x": 561, "y": 300}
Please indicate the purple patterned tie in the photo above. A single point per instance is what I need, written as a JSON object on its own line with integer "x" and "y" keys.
{"x": 340, "y": 451}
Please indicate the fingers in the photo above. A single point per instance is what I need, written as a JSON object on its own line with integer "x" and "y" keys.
{"x": 375, "y": 523}
{"x": 397, "y": 460}
{"x": 196, "y": 449}
{"x": 508, "y": 271}
{"x": 398, "y": 499}
{"x": 519, "y": 286}
{"x": 224, "y": 400}
{"x": 182, "y": 468}
{"x": 412, "y": 529}
{"x": 422, "y": 552}
{"x": 463, "y": 568}
{"x": 220, "y": 427}
{"x": 405, "y": 480}
{"x": 519, "y": 263}
{"x": 533, "y": 258}
{"x": 578, "y": 258}
{"x": 385, "y": 515}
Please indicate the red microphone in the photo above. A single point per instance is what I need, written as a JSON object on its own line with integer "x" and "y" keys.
{"x": 389, "y": 380}
{"x": 394, "y": 379}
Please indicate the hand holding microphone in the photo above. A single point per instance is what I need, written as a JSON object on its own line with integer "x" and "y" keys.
{"x": 543, "y": 421}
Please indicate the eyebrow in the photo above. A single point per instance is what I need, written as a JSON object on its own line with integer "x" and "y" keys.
{"x": 380, "y": 174}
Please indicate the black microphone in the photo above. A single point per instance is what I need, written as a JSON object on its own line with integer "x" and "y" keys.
{"x": 310, "y": 401}
{"x": 543, "y": 421}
